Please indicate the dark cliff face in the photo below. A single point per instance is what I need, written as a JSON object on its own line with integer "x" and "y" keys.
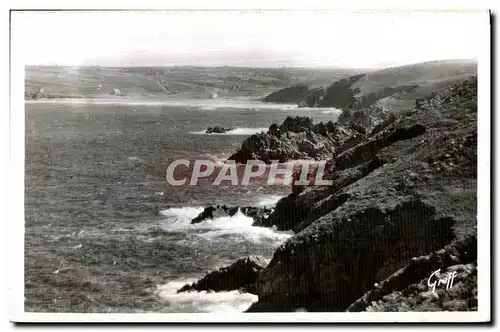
{"x": 408, "y": 189}
{"x": 339, "y": 94}
{"x": 293, "y": 94}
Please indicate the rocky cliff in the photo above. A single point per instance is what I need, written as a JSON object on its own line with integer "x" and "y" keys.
{"x": 298, "y": 138}
{"x": 408, "y": 189}
{"x": 402, "y": 208}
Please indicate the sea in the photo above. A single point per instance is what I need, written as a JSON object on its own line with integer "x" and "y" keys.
{"x": 103, "y": 230}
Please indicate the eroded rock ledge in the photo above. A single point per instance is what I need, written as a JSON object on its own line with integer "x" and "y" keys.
{"x": 217, "y": 130}
{"x": 240, "y": 275}
{"x": 216, "y": 211}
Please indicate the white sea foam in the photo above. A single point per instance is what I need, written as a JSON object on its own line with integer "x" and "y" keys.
{"x": 182, "y": 214}
{"x": 203, "y": 301}
{"x": 269, "y": 200}
{"x": 331, "y": 111}
{"x": 238, "y": 227}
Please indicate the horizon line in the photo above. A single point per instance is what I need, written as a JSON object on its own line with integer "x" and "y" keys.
{"x": 473, "y": 60}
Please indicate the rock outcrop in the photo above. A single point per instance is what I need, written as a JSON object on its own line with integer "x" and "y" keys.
{"x": 217, "y": 211}
{"x": 366, "y": 119}
{"x": 407, "y": 190}
{"x": 297, "y": 138}
{"x": 241, "y": 275}
{"x": 217, "y": 130}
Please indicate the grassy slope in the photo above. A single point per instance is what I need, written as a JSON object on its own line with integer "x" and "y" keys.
{"x": 429, "y": 76}
{"x": 379, "y": 85}
{"x": 173, "y": 81}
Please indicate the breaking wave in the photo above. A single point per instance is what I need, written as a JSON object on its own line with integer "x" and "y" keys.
{"x": 238, "y": 227}
{"x": 203, "y": 301}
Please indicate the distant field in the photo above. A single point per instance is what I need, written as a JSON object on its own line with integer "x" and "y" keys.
{"x": 191, "y": 82}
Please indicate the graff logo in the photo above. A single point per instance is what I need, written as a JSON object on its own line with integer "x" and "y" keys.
{"x": 435, "y": 280}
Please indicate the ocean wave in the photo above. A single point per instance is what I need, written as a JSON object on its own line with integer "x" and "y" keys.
{"x": 182, "y": 214}
{"x": 268, "y": 200}
{"x": 203, "y": 301}
{"x": 238, "y": 227}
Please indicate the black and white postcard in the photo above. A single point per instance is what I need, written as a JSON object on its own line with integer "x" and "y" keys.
{"x": 250, "y": 166}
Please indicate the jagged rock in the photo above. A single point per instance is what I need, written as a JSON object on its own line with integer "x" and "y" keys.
{"x": 405, "y": 192}
{"x": 293, "y": 94}
{"x": 297, "y": 211}
{"x": 241, "y": 275}
{"x": 256, "y": 213}
{"x": 217, "y": 211}
{"x": 295, "y": 138}
{"x": 382, "y": 125}
{"x": 217, "y": 130}
{"x": 356, "y": 126}
{"x": 296, "y": 125}
{"x": 366, "y": 118}
{"x": 367, "y": 150}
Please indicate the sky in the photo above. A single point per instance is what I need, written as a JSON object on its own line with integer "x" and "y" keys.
{"x": 238, "y": 38}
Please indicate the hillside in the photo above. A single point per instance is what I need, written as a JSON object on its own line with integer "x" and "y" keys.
{"x": 172, "y": 82}
{"x": 402, "y": 205}
{"x": 394, "y": 88}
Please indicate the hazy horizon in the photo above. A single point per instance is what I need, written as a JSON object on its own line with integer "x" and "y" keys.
{"x": 322, "y": 40}
{"x": 470, "y": 60}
